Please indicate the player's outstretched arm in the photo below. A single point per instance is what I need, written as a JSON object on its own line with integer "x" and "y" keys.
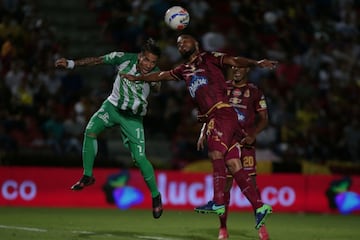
{"x": 151, "y": 77}
{"x": 246, "y": 62}
{"x": 70, "y": 64}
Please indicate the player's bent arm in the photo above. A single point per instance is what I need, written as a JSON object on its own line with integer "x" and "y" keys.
{"x": 201, "y": 140}
{"x": 262, "y": 122}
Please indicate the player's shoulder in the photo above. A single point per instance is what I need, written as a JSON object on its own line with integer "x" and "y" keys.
{"x": 119, "y": 54}
{"x": 214, "y": 54}
{"x": 229, "y": 84}
{"x": 252, "y": 86}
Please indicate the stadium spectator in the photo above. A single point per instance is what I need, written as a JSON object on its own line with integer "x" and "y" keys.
{"x": 321, "y": 35}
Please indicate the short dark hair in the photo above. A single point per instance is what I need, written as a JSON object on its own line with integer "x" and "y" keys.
{"x": 151, "y": 46}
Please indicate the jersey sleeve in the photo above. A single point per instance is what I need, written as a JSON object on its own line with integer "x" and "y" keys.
{"x": 261, "y": 104}
{"x": 115, "y": 58}
{"x": 218, "y": 58}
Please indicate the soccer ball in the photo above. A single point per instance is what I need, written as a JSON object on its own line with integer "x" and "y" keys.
{"x": 177, "y": 18}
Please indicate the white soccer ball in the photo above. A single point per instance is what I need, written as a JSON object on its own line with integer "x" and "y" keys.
{"x": 177, "y": 18}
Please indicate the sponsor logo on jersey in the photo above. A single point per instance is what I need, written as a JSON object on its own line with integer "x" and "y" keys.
{"x": 240, "y": 115}
{"x": 196, "y": 83}
{"x": 235, "y": 100}
{"x": 105, "y": 116}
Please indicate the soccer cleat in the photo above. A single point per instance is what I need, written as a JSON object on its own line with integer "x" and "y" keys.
{"x": 223, "y": 234}
{"x": 211, "y": 207}
{"x": 157, "y": 206}
{"x": 261, "y": 214}
{"x": 83, "y": 182}
{"x": 263, "y": 234}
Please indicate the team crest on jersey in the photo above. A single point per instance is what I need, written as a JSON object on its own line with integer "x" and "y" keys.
{"x": 196, "y": 83}
{"x": 236, "y": 92}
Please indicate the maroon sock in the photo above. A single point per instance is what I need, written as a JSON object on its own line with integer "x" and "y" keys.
{"x": 219, "y": 178}
{"x": 247, "y": 188}
{"x": 223, "y": 218}
{"x": 258, "y": 192}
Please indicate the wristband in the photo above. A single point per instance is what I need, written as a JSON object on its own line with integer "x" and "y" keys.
{"x": 70, "y": 64}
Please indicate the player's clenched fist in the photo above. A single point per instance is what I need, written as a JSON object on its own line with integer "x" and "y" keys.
{"x": 64, "y": 63}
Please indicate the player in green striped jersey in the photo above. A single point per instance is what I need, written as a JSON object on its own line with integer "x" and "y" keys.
{"x": 125, "y": 107}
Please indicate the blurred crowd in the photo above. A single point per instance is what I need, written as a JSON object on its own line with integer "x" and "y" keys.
{"x": 312, "y": 95}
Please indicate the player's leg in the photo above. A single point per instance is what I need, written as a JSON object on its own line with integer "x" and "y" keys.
{"x": 244, "y": 181}
{"x": 97, "y": 123}
{"x": 216, "y": 154}
{"x": 262, "y": 232}
{"x": 217, "y": 205}
{"x": 223, "y": 233}
{"x": 133, "y": 137}
{"x": 248, "y": 160}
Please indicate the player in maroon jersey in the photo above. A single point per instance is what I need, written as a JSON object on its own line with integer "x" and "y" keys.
{"x": 204, "y": 78}
{"x": 250, "y": 100}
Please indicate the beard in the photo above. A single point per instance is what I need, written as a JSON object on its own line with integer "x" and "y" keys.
{"x": 186, "y": 55}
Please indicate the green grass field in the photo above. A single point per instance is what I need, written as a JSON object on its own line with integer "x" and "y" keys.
{"x": 111, "y": 224}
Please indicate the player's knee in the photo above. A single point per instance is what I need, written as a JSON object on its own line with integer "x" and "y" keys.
{"x": 216, "y": 155}
{"x": 139, "y": 160}
{"x": 233, "y": 165}
{"x": 89, "y": 133}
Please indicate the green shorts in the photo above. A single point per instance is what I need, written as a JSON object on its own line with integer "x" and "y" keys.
{"x": 131, "y": 127}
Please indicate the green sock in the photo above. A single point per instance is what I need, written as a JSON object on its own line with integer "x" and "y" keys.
{"x": 89, "y": 151}
{"x": 148, "y": 174}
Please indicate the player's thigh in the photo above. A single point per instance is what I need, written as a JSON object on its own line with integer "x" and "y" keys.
{"x": 220, "y": 130}
{"x": 132, "y": 131}
{"x": 248, "y": 160}
{"x": 105, "y": 117}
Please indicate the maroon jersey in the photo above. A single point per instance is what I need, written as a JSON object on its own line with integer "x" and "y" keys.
{"x": 204, "y": 79}
{"x": 248, "y": 99}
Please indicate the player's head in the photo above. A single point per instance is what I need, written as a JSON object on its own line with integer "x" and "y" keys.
{"x": 149, "y": 56}
{"x": 240, "y": 74}
{"x": 187, "y": 45}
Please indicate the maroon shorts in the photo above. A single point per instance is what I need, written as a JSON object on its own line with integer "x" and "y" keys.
{"x": 247, "y": 157}
{"x": 221, "y": 127}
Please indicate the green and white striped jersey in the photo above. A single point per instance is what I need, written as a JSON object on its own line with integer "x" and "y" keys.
{"x": 128, "y": 95}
